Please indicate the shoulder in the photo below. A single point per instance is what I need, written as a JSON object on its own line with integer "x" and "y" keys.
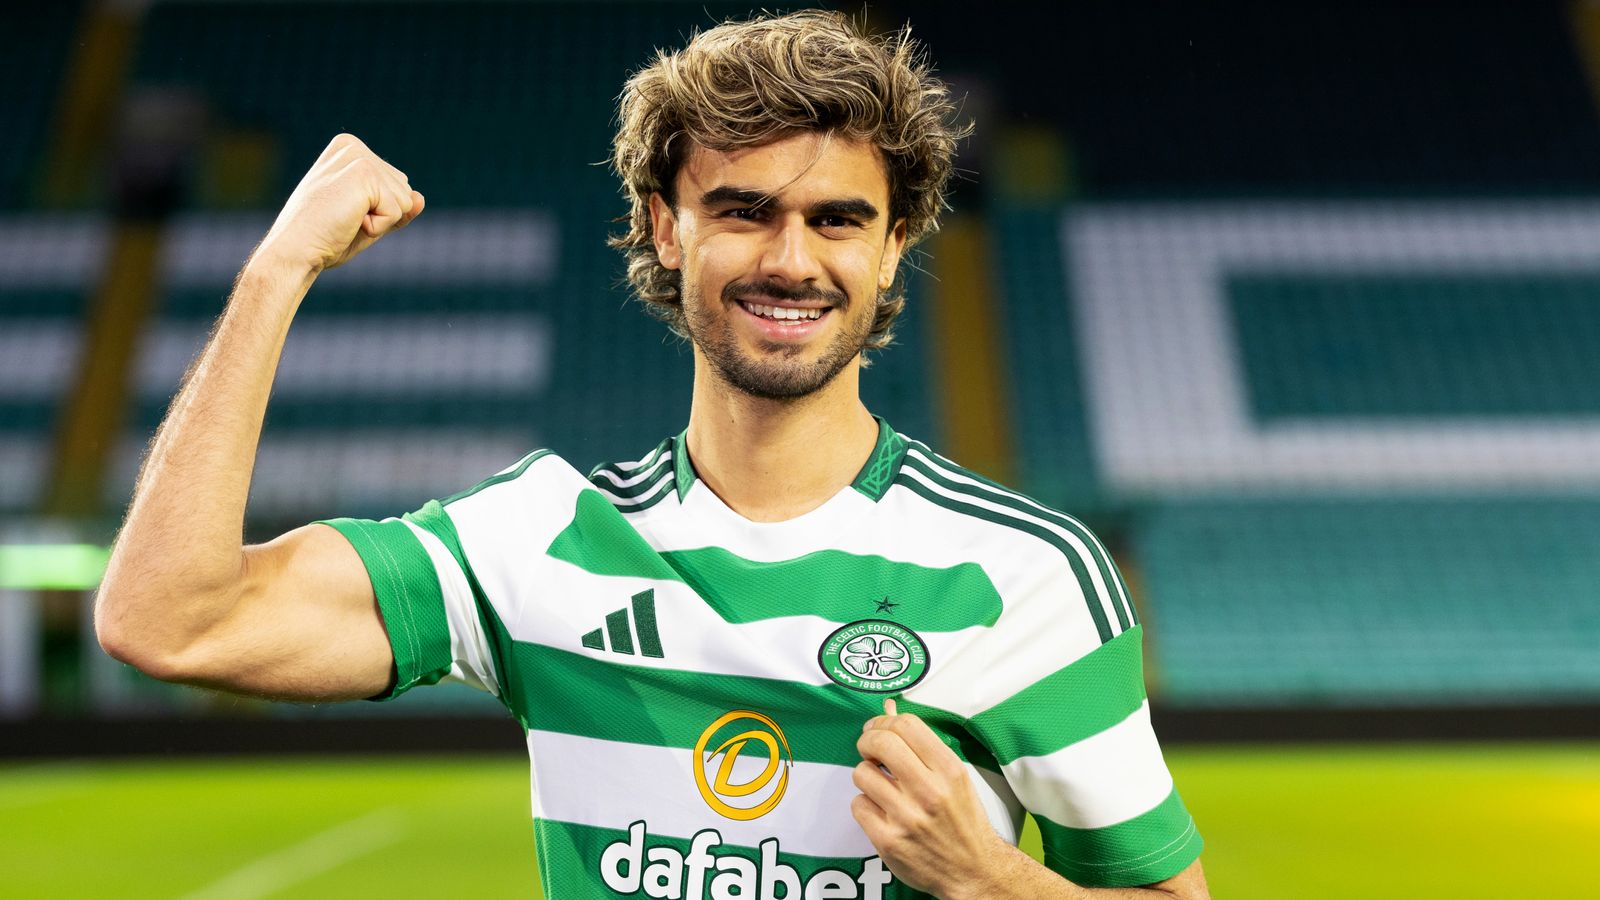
{"x": 1028, "y": 533}
{"x": 534, "y": 467}
{"x": 981, "y": 504}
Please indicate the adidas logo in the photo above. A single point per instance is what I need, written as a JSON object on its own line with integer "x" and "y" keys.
{"x": 621, "y": 636}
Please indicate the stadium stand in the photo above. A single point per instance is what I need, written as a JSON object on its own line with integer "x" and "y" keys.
{"x": 1374, "y": 600}
{"x": 1432, "y": 541}
{"x": 1314, "y": 589}
{"x": 40, "y": 306}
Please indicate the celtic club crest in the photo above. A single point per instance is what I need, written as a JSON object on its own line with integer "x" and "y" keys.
{"x": 874, "y": 655}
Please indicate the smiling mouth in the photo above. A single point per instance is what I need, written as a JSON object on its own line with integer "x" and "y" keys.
{"x": 796, "y": 314}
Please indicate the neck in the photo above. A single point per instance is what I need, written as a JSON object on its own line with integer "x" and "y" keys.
{"x": 772, "y": 460}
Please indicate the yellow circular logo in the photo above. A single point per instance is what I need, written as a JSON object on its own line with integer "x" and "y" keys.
{"x": 716, "y": 790}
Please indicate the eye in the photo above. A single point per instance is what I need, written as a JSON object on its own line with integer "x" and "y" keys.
{"x": 836, "y": 222}
{"x": 746, "y": 213}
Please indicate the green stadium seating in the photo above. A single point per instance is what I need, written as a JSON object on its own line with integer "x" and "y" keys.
{"x": 1365, "y": 600}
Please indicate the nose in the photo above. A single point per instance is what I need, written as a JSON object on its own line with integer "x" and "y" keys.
{"x": 789, "y": 256}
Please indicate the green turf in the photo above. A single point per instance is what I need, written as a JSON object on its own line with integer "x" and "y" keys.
{"x": 1492, "y": 821}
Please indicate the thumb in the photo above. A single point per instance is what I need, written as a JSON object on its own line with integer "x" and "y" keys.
{"x": 382, "y": 217}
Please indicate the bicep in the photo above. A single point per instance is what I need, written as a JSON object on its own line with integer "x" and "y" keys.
{"x": 306, "y": 624}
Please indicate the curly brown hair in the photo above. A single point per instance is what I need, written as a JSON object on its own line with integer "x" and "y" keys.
{"x": 748, "y": 83}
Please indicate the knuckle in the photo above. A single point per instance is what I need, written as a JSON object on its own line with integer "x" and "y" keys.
{"x": 877, "y": 743}
{"x": 858, "y": 775}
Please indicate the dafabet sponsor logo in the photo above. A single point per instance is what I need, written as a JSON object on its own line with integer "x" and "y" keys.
{"x": 742, "y": 768}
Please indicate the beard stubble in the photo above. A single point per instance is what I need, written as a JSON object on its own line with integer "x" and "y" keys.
{"x": 778, "y": 374}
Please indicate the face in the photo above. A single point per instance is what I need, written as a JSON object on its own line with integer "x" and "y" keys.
{"x": 783, "y": 249}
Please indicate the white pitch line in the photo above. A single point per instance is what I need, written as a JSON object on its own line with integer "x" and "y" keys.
{"x": 317, "y": 854}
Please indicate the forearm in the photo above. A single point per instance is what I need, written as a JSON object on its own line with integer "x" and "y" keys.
{"x": 1013, "y": 875}
{"x": 180, "y": 550}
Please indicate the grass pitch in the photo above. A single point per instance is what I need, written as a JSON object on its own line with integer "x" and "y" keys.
{"x": 1400, "y": 822}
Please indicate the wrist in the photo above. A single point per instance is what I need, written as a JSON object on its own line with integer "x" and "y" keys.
{"x": 986, "y": 879}
{"x": 269, "y": 272}
{"x": 273, "y": 262}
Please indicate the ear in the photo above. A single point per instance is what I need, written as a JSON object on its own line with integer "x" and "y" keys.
{"x": 664, "y": 225}
{"x": 893, "y": 245}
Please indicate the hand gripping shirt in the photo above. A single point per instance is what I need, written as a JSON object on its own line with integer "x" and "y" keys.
{"x": 691, "y": 684}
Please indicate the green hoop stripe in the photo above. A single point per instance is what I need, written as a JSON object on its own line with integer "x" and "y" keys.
{"x": 600, "y": 541}
{"x": 610, "y": 699}
{"x": 1121, "y": 601}
{"x": 1078, "y": 701}
{"x": 1091, "y": 596}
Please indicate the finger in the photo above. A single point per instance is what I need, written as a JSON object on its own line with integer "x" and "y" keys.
{"x": 395, "y": 173}
{"x": 922, "y": 740}
{"x": 417, "y": 203}
{"x": 883, "y": 720}
{"x": 338, "y": 144}
{"x": 384, "y": 214}
{"x": 870, "y": 816}
{"x": 881, "y": 790}
{"x": 885, "y": 748}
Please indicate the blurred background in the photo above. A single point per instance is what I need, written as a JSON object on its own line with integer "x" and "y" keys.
{"x": 1297, "y": 305}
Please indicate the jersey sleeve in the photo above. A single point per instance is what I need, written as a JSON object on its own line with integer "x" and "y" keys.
{"x": 427, "y": 598}
{"x": 1077, "y": 749}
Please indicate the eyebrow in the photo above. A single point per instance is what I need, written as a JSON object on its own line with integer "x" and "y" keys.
{"x": 729, "y": 194}
{"x": 850, "y": 207}
{"x": 853, "y": 208}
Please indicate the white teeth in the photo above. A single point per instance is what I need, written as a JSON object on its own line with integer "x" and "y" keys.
{"x": 784, "y": 313}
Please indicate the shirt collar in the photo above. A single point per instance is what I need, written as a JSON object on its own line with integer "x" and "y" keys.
{"x": 872, "y": 481}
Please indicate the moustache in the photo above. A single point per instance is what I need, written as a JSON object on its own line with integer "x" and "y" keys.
{"x": 750, "y": 289}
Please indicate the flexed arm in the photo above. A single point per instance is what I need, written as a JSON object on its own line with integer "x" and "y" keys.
{"x": 183, "y": 599}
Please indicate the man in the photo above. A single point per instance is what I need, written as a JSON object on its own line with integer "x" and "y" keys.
{"x": 698, "y": 644}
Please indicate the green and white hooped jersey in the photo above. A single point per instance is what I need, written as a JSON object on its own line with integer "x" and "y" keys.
{"x": 692, "y": 684}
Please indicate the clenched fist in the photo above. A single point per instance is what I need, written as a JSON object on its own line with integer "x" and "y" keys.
{"x": 348, "y": 200}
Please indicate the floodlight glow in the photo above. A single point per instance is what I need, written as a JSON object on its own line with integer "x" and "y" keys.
{"x": 59, "y": 567}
